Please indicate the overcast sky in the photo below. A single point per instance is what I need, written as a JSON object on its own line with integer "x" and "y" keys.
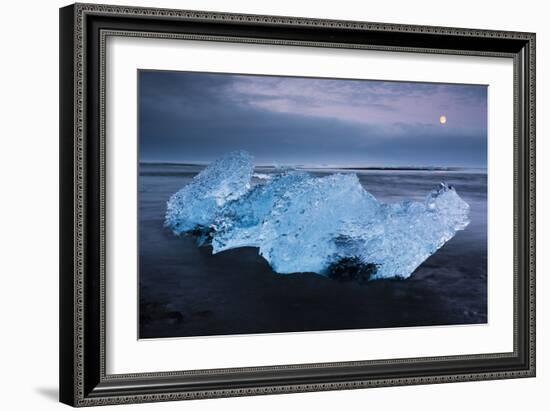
{"x": 195, "y": 117}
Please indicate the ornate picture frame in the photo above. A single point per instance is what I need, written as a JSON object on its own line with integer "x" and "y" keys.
{"x": 84, "y": 380}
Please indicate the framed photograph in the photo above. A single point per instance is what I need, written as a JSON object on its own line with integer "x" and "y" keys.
{"x": 261, "y": 204}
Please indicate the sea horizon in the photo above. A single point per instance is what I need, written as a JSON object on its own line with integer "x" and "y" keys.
{"x": 324, "y": 166}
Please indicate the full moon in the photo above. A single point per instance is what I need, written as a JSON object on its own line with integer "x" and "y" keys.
{"x": 443, "y": 119}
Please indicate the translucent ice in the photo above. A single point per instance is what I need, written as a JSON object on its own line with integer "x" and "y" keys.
{"x": 403, "y": 235}
{"x": 241, "y": 222}
{"x": 195, "y": 206}
{"x": 300, "y": 232}
{"x": 301, "y": 223}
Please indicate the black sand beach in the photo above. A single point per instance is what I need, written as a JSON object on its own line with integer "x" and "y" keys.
{"x": 187, "y": 291}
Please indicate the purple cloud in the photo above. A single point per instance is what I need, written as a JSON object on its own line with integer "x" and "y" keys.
{"x": 366, "y": 102}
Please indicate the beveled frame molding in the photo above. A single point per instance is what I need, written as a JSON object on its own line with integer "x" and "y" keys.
{"x": 84, "y": 29}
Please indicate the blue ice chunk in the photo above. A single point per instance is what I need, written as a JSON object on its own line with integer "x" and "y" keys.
{"x": 327, "y": 225}
{"x": 196, "y": 205}
{"x": 299, "y": 234}
{"x": 239, "y": 223}
{"x": 405, "y": 234}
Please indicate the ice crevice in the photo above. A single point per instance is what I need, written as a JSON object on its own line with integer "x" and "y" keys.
{"x": 299, "y": 222}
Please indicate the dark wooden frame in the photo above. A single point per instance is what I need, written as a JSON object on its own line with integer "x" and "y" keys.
{"x": 83, "y": 30}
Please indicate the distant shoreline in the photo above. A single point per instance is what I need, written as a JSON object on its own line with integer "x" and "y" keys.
{"x": 321, "y": 168}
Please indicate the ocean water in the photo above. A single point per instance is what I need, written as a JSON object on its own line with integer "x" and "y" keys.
{"x": 186, "y": 291}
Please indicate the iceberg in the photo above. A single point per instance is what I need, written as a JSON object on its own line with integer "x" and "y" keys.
{"x": 195, "y": 206}
{"x": 327, "y": 225}
{"x": 241, "y": 222}
{"x": 403, "y": 235}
